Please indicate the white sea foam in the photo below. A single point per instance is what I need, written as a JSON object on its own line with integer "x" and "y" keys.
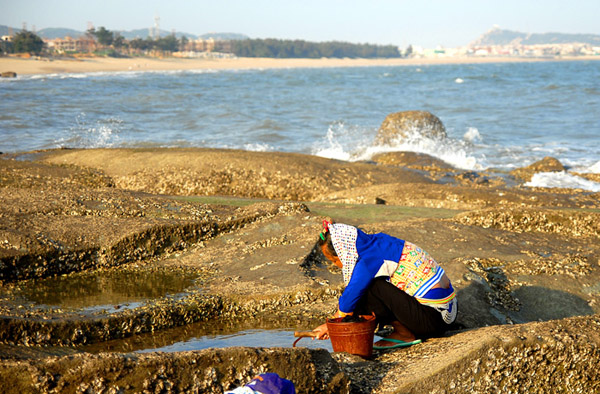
{"x": 459, "y": 80}
{"x": 472, "y": 135}
{"x": 450, "y": 150}
{"x": 39, "y": 76}
{"x": 595, "y": 169}
{"x": 131, "y": 73}
{"x": 82, "y": 75}
{"x": 74, "y": 76}
{"x": 343, "y": 143}
{"x": 203, "y": 71}
{"x": 562, "y": 180}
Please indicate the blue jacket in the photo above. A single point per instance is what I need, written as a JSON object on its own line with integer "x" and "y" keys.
{"x": 373, "y": 250}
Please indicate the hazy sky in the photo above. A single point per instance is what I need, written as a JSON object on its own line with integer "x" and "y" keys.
{"x": 399, "y": 22}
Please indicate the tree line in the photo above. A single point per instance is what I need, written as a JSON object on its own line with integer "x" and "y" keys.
{"x": 109, "y": 38}
{"x": 304, "y": 49}
{"x": 116, "y": 45}
{"x": 23, "y": 42}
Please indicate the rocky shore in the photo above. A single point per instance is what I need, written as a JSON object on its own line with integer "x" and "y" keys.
{"x": 243, "y": 225}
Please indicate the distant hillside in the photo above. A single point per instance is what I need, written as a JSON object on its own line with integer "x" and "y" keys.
{"x": 57, "y": 32}
{"x": 49, "y": 33}
{"x": 497, "y": 36}
{"x": 53, "y": 32}
{"x": 5, "y": 30}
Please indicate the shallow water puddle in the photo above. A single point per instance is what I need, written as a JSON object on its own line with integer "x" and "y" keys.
{"x": 100, "y": 291}
{"x": 213, "y": 334}
{"x": 247, "y": 338}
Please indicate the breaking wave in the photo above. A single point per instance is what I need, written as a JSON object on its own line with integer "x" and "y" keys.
{"x": 353, "y": 143}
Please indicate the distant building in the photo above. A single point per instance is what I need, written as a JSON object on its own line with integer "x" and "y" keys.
{"x": 200, "y": 45}
{"x": 71, "y": 45}
{"x": 537, "y": 50}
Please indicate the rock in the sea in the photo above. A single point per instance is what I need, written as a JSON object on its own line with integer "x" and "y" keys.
{"x": 547, "y": 164}
{"x": 8, "y": 74}
{"x": 400, "y": 124}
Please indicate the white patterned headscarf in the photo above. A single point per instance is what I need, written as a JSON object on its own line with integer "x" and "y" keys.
{"x": 343, "y": 238}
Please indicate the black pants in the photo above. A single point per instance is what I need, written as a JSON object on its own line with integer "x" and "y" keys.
{"x": 392, "y": 304}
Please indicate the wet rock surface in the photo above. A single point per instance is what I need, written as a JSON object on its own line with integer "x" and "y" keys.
{"x": 240, "y": 227}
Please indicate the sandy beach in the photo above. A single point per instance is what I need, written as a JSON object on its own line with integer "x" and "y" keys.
{"x": 30, "y": 66}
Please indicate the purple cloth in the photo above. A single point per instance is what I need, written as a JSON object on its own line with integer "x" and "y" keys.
{"x": 271, "y": 383}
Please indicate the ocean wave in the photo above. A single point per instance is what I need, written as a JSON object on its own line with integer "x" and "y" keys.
{"x": 131, "y": 73}
{"x": 357, "y": 144}
{"x": 562, "y": 180}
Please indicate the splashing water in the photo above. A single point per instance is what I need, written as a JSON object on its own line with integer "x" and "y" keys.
{"x": 104, "y": 134}
{"x": 472, "y": 135}
{"x": 340, "y": 139}
{"x": 341, "y": 144}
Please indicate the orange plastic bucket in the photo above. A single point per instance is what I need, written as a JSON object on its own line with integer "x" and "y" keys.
{"x": 352, "y": 337}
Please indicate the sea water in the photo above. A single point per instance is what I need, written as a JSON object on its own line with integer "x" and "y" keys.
{"x": 498, "y": 115}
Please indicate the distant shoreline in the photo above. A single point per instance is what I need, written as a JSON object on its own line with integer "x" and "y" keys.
{"x": 85, "y": 65}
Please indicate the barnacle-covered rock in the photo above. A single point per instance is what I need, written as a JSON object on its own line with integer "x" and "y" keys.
{"x": 577, "y": 224}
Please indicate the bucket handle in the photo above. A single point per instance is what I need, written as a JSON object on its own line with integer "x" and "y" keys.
{"x": 303, "y": 334}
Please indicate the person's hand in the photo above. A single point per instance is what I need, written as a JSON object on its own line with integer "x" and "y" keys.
{"x": 339, "y": 313}
{"x": 322, "y": 332}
